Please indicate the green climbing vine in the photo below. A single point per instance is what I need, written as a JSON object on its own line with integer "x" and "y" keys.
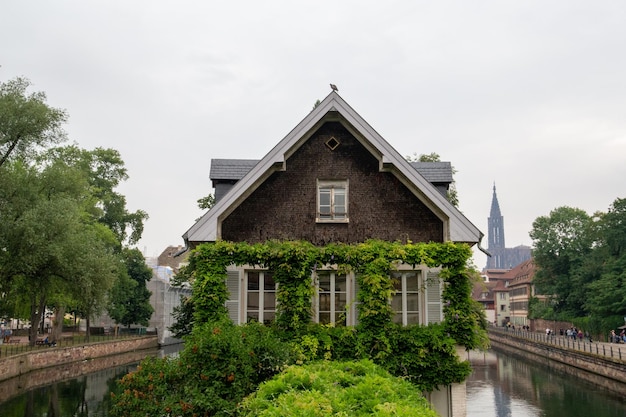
{"x": 293, "y": 263}
{"x": 222, "y": 363}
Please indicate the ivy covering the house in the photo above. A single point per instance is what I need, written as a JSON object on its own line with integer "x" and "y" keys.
{"x": 220, "y": 355}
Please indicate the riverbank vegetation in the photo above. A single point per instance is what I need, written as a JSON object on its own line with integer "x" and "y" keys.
{"x": 581, "y": 262}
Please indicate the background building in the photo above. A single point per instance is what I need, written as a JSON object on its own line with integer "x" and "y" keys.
{"x": 501, "y": 256}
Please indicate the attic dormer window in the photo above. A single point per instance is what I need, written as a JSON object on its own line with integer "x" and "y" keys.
{"x": 332, "y": 201}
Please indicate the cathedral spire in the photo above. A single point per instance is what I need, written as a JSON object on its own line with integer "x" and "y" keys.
{"x": 501, "y": 256}
{"x": 496, "y": 234}
{"x": 495, "y": 207}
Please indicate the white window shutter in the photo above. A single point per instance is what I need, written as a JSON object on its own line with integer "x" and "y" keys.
{"x": 232, "y": 284}
{"x": 434, "y": 311}
{"x": 355, "y": 302}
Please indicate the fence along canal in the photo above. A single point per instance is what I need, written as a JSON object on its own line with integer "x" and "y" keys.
{"x": 601, "y": 363}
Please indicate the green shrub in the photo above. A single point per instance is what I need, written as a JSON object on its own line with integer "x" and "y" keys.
{"x": 220, "y": 364}
{"x": 151, "y": 390}
{"x": 425, "y": 356}
{"x": 329, "y": 388}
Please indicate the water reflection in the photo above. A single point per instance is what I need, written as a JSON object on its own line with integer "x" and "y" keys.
{"x": 74, "y": 390}
{"x": 85, "y": 396}
{"x": 504, "y": 386}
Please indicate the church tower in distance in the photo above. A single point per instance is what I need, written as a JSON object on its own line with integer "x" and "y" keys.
{"x": 501, "y": 256}
{"x": 495, "y": 227}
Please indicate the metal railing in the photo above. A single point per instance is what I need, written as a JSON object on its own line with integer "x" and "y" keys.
{"x": 608, "y": 350}
{"x": 19, "y": 345}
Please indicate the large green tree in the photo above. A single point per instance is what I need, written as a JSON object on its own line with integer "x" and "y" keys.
{"x": 129, "y": 301}
{"x": 27, "y": 123}
{"x": 607, "y": 293}
{"x": 562, "y": 241}
{"x": 49, "y": 241}
{"x": 63, "y": 225}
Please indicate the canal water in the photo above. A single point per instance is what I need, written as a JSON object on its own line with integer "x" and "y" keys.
{"x": 505, "y": 386}
{"x": 500, "y": 386}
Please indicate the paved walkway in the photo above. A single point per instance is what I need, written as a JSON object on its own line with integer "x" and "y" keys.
{"x": 616, "y": 351}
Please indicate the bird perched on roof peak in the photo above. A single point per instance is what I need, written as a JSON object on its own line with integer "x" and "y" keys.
{"x": 334, "y": 87}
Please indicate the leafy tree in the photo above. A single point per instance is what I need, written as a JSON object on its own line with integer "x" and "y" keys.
{"x": 452, "y": 196}
{"x": 183, "y": 317}
{"x": 607, "y": 292}
{"x": 562, "y": 241}
{"x": 105, "y": 170}
{"x": 27, "y": 123}
{"x": 96, "y": 273}
{"x": 53, "y": 252}
{"x": 62, "y": 224}
{"x": 130, "y": 299}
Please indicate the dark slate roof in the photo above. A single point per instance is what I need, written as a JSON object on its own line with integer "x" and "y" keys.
{"x": 230, "y": 169}
{"x": 235, "y": 169}
{"x": 434, "y": 172}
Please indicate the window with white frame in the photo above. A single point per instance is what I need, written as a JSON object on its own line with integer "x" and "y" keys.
{"x": 405, "y": 302}
{"x": 332, "y": 201}
{"x": 260, "y": 297}
{"x": 332, "y": 297}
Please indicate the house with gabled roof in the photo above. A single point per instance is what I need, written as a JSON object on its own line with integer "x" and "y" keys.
{"x": 331, "y": 179}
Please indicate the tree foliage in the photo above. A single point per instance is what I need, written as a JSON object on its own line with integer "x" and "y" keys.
{"x": 105, "y": 171}
{"x": 581, "y": 262}
{"x": 51, "y": 248}
{"x": 27, "y": 122}
{"x": 129, "y": 302}
{"x": 607, "y": 291}
{"x": 183, "y": 317}
{"x": 62, "y": 222}
{"x": 205, "y": 203}
{"x": 562, "y": 242}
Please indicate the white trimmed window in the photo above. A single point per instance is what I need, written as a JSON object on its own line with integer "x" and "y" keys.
{"x": 332, "y": 297}
{"x": 406, "y": 301}
{"x": 260, "y": 297}
{"x": 332, "y": 201}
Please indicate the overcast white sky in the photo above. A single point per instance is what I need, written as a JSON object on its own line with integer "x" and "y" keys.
{"x": 530, "y": 95}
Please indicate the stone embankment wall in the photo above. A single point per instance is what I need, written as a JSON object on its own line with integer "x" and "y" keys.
{"x": 540, "y": 325}
{"x": 24, "y": 363}
{"x": 601, "y": 370}
{"x": 43, "y": 377}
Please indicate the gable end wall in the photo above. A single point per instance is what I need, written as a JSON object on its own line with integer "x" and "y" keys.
{"x": 284, "y": 206}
